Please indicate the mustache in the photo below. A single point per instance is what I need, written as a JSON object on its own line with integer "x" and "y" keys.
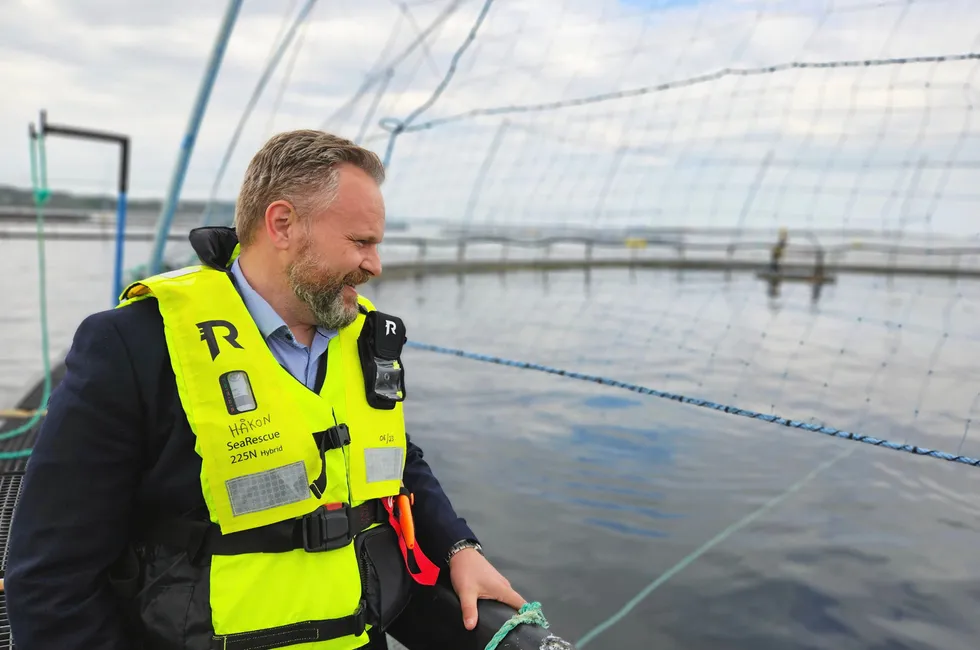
{"x": 356, "y": 278}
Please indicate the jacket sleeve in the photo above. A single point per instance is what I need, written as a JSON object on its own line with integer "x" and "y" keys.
{"x": 77, "y": 499}
{"x": 437, "y": 525}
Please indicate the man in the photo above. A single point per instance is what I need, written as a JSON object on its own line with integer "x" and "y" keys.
{"x": 222, "y": 465}
{"x": 777, "y": 251}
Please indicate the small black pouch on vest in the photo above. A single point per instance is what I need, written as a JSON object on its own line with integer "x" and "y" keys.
{"x": 380, "y": 347}
{"x": 387, "y": 586}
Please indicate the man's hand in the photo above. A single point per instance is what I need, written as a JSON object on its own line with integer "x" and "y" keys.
{"x": 474, "y": 577}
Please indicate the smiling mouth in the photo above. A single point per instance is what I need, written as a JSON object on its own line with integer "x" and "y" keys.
{"x": 358, "y": 280}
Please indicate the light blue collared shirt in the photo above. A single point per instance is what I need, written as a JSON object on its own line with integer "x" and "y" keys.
{"x": 300, "y": 361}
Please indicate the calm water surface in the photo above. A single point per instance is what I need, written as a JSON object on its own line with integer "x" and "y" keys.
{"x": 584, "y": 494}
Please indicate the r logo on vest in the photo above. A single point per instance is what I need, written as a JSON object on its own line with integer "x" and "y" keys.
{"x": 207, "y": 334}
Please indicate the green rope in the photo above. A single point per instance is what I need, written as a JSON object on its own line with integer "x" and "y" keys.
{"x": 529, "y": 614}
{"x": 39, "y": 180}
{"x": 707, "y": 546}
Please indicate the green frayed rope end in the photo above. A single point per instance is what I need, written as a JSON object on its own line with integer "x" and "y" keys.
{"x": 529, "y": 614}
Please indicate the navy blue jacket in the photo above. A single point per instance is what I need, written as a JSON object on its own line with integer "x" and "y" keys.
{"x": 116, "y": 444}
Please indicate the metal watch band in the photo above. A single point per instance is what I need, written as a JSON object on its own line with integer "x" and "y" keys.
{"x": 460, "y": 545}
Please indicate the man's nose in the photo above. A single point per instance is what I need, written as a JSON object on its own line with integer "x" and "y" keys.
{"x": 372, "y": 262}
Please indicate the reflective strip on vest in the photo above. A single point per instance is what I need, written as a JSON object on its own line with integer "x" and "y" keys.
{"x": 254, "y": 426}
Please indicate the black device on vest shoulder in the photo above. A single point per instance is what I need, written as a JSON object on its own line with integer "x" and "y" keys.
{"x": 380, "y": 347}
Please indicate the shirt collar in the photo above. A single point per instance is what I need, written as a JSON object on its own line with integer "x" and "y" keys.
{"x": 268, "y": 321}
{"x": 265, "y": 317}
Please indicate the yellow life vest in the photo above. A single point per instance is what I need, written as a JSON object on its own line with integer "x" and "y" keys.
{"x": 300, "y": 468}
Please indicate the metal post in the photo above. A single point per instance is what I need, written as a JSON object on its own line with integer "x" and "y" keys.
{"x": 123, "y": 141}
{"x": 187, "y": 144}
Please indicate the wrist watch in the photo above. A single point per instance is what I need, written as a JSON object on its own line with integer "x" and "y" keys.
{"x": 460, "y": 545}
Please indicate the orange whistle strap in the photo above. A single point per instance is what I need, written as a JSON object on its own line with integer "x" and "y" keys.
{"x": 422, "y": 570}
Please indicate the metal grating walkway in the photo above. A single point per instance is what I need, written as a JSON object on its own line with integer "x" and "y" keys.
{"x": 10, "y": 484}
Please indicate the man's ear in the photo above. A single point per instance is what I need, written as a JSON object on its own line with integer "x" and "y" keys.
{"x": 280, "y": 217}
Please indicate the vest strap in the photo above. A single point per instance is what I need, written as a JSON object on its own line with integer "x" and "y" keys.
{"x": 329, "y": 527}
{"x": 288, "y": 635}
{"x": 333, "y": 438}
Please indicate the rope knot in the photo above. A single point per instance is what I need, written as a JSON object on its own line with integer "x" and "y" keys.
{"x": 528, "y": 614}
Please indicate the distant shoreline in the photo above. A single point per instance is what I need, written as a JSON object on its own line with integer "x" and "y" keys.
{"x": 13, "y": 197}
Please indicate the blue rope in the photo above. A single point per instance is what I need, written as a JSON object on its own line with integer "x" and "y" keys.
{"x": 775, "y": 419}
{"x": 398, "y": 128}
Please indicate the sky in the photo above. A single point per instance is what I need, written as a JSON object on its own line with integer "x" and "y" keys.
{"x": 883, "y": 146}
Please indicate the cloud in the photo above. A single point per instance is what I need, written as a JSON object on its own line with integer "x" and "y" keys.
{"x": 841, "y": 142}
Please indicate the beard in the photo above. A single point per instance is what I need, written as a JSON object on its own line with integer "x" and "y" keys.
{"x": 322, "y": 291}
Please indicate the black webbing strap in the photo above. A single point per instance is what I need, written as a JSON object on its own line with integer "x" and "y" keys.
{"x": 326, "y": 528}
{"x": 321, "y": 373}
{"x": 287, "y": 635}
{"x": 333, "y": 438}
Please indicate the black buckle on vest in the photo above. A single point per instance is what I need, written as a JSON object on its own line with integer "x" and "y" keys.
{"x": 327, "y": 528}
{"x": 333, "y": 438}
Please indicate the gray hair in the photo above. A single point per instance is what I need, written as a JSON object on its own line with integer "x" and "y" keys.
{"x": 300, "y": 167}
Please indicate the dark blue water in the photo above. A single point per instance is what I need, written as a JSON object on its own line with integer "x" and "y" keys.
{"x": 585, "y": 495}
{"x": 583, "y": 499}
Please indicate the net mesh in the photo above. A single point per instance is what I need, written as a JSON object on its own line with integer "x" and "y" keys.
{"x": 621, "y": 173}
{"x": 668, "y": 145}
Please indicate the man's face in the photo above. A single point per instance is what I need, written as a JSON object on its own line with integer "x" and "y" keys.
{"x": 339, "y": 250}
